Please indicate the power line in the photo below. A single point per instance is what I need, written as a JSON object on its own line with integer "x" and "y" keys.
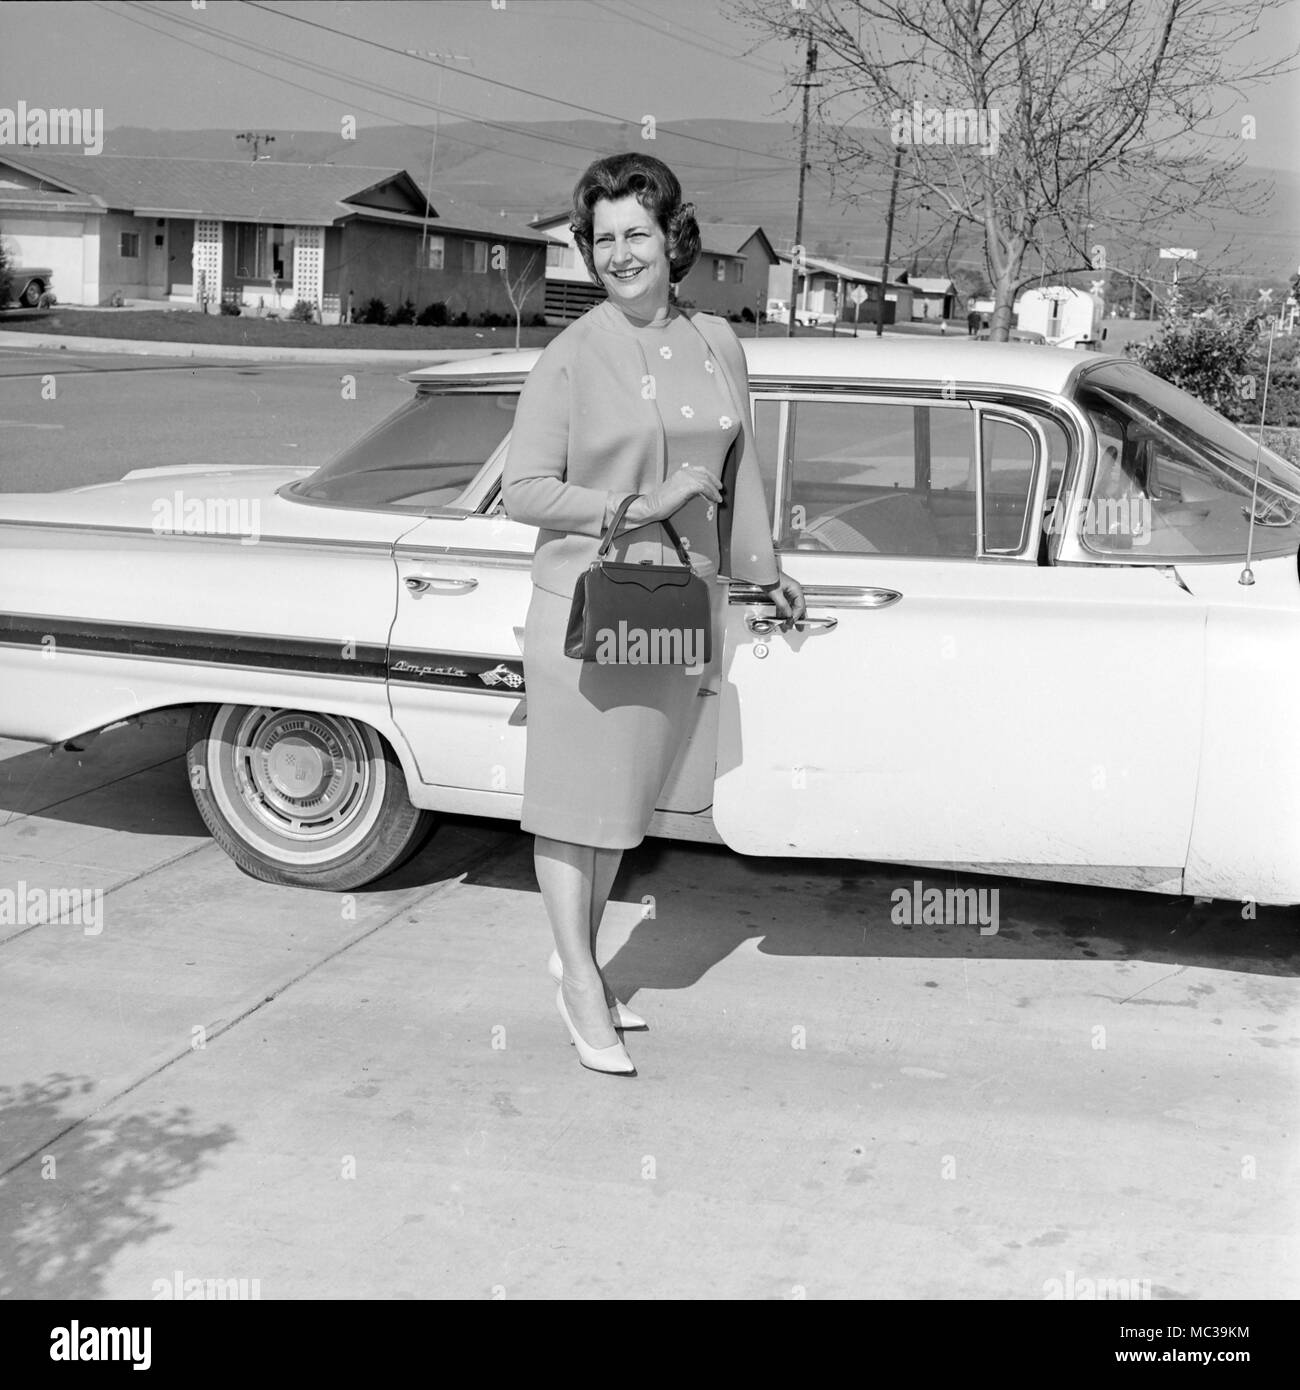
{"x": 707, "y": 39}
{"x": 508, "y": 86}
{"x": 365, "y": 86}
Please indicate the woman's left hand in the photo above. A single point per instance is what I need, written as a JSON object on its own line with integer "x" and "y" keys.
{"x": 789, "y": 600}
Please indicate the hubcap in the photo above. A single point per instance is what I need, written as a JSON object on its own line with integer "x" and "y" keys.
{"x": 302, "y": 775}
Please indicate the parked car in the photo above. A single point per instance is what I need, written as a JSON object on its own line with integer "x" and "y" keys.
{"x": 30, "y": 286}
{"x": 778, "y": 311}
{"x": 1029, "y": 648}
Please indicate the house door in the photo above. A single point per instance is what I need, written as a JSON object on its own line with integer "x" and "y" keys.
{"x": 180, "y": 251}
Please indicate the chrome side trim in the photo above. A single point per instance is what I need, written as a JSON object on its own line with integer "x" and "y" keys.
{"x": 96, "y": 528}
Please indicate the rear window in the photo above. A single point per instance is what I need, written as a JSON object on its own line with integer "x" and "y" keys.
{"x": 421, "y": 458}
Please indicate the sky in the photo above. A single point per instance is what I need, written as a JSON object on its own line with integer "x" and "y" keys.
{"x": 156, "y": 64}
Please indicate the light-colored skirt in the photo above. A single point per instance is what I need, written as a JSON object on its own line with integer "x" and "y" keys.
{"x": 602, "y": 739}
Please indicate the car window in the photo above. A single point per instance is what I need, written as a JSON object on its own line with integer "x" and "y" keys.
{"x": 1009, "y": 454}
{"x": 767, "y": 424}
{"x": 1174, "y": 480}
{"x": 421, "y": 457}
{"x": 872, "y": 477}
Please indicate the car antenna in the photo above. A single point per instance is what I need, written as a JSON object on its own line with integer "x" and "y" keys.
{"x": 1247, "y": 575}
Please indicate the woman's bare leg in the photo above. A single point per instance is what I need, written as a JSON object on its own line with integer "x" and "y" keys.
{"x": 602, "y": 884}
{"x": 566, "y": 875}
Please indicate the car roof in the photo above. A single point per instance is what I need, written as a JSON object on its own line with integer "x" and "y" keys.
{"x": 893, "y": 357}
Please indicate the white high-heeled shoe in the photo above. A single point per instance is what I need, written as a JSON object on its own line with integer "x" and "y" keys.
{"x": 619, "y": 1015}
{"x": 613, "y": 1061}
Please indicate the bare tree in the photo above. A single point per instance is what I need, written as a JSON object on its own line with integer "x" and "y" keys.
{"x": 518, "y": 289}
{"x": 1073, "y": 128}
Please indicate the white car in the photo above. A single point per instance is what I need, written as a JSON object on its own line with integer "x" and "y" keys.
{"x": 1029, "y": 648}
{"x": 778, "y": 311}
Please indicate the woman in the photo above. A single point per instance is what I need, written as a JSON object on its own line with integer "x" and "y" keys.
{"x": 634, "y": 398}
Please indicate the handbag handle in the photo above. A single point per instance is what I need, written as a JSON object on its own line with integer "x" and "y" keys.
{"x": 608, "y": 538}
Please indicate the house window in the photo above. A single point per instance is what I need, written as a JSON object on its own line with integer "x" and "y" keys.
{"x": 558, "y": 255}
{"x": 263, "y": 251}
{"x": 128, "y": 245}
{"x": 433, "y": 253}
{"x": 719, "y": 269}
{"x": 738, "y": 272}
{"x": 475, "y": 258}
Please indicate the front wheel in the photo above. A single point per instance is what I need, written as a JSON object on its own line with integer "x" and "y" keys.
{"x": 299, "y": 798}
{"x": 32, "y": 295}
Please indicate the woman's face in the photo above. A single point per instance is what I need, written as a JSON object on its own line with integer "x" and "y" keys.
{"x": 630, "y": 256}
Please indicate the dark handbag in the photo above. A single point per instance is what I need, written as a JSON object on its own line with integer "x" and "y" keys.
{"x": 640, "y": 614}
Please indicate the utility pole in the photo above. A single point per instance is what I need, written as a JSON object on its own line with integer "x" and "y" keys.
{"x": 442, "y": 59}
{"x": 810, "y": 67}
{"x": 250, "y": 137}
{"x": 889, "y": 238}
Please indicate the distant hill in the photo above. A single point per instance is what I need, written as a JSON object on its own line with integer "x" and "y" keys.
{"x": 530, "y": 170}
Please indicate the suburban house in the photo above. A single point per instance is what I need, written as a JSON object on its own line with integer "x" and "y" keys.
{"x": 832, "y": 287}
{"x": 729, "y": 277}
{"x": 206, "y": 232}
{"x": 932, "y": 297}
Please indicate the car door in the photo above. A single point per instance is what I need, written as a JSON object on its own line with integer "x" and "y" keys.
{"x": 455, "y": 668}
{"x": 951, "y": 700}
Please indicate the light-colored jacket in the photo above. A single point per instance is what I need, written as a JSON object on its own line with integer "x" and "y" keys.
{"x": 584, "y": 433}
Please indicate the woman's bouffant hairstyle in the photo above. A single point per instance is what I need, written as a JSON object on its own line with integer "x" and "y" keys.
{"x": 655, "y": 187}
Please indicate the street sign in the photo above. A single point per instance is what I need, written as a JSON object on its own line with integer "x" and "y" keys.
{"x": 858, "y": 294}
{"x": 1177, "y": 253}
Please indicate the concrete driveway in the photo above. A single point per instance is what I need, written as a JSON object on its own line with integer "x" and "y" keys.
{"x": 372, "y": 1095}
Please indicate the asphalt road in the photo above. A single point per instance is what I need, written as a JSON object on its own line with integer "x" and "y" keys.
{"x": 68, "y": 420}
{"x": 372, "y": 1095}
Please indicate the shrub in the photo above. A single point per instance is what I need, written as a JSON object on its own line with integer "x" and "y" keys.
{"x": 747, "y": 315}
{"x": 462, "y": 319}
{"x": 403, "y": 314}
{"x": 376, "y": 311}
{"x": 1206, "y": 355}
{"x": 304, "y": 311}
{"x": 491, "y": 320}
{"x": 433, "y": 315}
{"x": 538, "y": 321}
{"x": 230, "y": 308}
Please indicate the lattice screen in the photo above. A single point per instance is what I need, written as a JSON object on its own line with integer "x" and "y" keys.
{"x": 308, "y": 263}
{"x": 207, "y": 260}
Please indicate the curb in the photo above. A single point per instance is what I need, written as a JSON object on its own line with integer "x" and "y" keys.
{"x": 148, "y": 348}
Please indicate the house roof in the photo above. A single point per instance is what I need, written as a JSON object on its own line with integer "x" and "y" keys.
{"x": 931, "y": 284}
{"x": 484, "y": 224}
{"x": 716, "y": 238}
{"x": 228, "y": 189}
{"x": 727, "y": 238}
{"x": 18, "y": 198}
{"x": 820, "y": 265}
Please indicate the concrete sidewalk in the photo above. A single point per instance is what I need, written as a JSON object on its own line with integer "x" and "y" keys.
{"x": 416, "y": 356}
{"x": 371, "y": 1095}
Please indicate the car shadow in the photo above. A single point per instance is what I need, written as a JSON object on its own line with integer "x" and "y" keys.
{"x": 848, "y": 908}
{"x": 131, "y": 778}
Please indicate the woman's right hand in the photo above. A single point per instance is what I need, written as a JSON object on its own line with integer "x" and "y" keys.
{"x": 673, "y": 493}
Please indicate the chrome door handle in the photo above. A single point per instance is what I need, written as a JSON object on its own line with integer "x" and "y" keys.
{"x": 762, "y": 626}
{"x": 848, "y": 596}
{"x": 423, "y": 583}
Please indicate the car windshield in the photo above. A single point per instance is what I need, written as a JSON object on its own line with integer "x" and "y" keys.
{"x": 420, "y": 458}
{"x": 1174, "y": 479}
